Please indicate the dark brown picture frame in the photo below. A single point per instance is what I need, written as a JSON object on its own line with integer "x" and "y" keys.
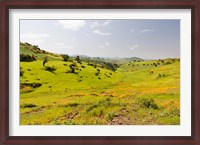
{"x": 6, "y": 5}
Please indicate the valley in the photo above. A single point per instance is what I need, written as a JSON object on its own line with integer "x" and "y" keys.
{"x": 73, "y": 90}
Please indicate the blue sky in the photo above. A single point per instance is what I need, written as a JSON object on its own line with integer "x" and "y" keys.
{"x": 147, "y": 39}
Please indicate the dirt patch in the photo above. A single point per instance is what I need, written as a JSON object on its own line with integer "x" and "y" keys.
{"x": 121, "y": 118}
{"x": 37, "y": 110}
{"x": 76, "y": 95}
{"x": 94, "y": 94}
{"x": 68, "y": 116}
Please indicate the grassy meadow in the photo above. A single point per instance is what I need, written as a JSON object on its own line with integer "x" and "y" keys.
{"x": 145, "y": 92}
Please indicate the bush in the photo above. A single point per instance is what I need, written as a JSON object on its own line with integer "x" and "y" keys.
{"x": 147, "y": 103}
{"x": 97, "y": 73}
{"x": 27, "y": 58}
{"x": 161, "y": 75}
{"x": 28, "y": 106}
{"x": 72, "y": 105}
{"x": 97, "y": 112}
{"x": 78, "y": 59}
{"x": 92, "y": 107}
{"x": 21, "y": 72}
{"x": 51, "y": 69}
{"x": 168, "y": 62}
{"x": 73, "y": 67}
{"x": 33, "y": 85}
{"x": 65, "y": 57}
{"x": 111, "y": 116}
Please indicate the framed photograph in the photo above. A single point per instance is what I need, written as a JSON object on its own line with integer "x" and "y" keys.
{"x": 100, "y": 72}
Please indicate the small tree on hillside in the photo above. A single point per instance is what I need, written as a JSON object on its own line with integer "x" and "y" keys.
{"x": 45, "y": 60}
{"x": 73, "y": 67}
{"x": 65, "y": 57}
{"x": 78, "y": 59}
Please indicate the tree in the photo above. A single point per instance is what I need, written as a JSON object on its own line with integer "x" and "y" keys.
{"x": 65, "y": 57}
{"x": 73, "y": 67}
{"x": 78, "y": 59}
{"x": 45, "y": 60}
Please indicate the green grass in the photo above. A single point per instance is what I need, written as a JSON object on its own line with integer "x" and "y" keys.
{"x": 40, "y": 55}
{"x": 107, "y": 98}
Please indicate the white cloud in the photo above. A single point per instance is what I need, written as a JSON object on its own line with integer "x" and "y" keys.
{"x": 71, "y": 24}
{"x": 147, "y": 30}
{"x": 107, "y": 43}
{"x": 98, "y": 32}
{"x": 132, "y": 30}
{"x": 133, "y": 47}
{"x": 106, "y": 22}
{"x": 99, "y": 23}
{"x": 95, "y": 24}
{"x": 33, "y": 38}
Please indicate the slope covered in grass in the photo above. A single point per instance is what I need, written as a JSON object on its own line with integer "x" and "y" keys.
{"x": 32, "y": 50}
{"x": 136, "y": 93}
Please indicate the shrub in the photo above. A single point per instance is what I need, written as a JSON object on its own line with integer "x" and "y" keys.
{"x": 151, "y": 71}
{"x": 51, "y": 69}
{"x": 28, "y": 105}
{"x": 65, "y": 57}
{"x": 147, "y": 103}
{"x": 33, "y": 85}
{"x": 168, "y": 62}
{"x": 111, "y": 116}
{"x": 72, "y": 104}
{"x": 27, "y": 58}
{"x": 78, "y": 59}
{"x": 92, "y": 107}
{"x": 161, "y": 75}
{"x": 97, "y": 112}
{"x": 73, "y": 67}
{"x": 107, "y": 75}
{"x": 97, "y": 73}
{"x": 21, "y": 72}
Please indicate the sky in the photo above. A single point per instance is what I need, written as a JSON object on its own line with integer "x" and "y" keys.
{"x": 147, "y": 39}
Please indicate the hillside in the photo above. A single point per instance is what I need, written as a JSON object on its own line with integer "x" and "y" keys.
{"x": 112, "y": 59}
{"x": 33, "y": 50}
{"x": 91, "y": 93}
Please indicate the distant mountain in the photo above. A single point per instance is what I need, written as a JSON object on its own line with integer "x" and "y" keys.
{"x": 110, "y": 59}
{"x": 34, "y": 50}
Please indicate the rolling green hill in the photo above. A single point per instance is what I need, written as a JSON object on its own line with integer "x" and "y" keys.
{"x": 28, "y": 49}
{"x": 88, "y": 93}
